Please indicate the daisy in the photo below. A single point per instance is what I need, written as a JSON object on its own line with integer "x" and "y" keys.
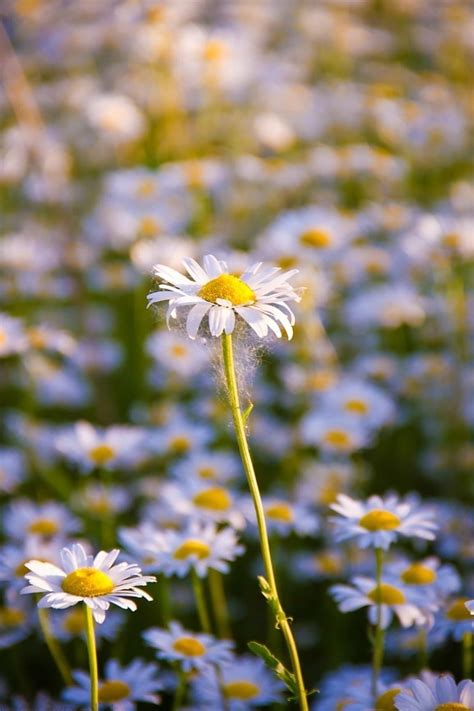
{"x": 121, "y": 687}
{"x": 455, "y": 619}
{"x": 378, "y": 522}
{"x": 95, "y": 581}
{"x": 204, "y": 502}
{"x": 192, "y": 651}
{"x": 351, "y": 684}
{"x": 240, "y": 685}
{"x": 428, "y": 574}
{"x": 259, "y": 296}
{"x": 436, "y": 693}
{"x": 409, "y": 606}
{"x": 215, "y": 466}
{"x": 284, "y": 517}
{"x": 333, "y": 433}
{"x": 22, "y": 518}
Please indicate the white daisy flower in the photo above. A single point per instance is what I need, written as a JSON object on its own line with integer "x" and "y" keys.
{"x": 95, "y": 581}
{"x": 23, "y": 518}
{"x": 191, "y": 650}
{"x": 378, "y": 522}
{"x": 436, "y": 693}
{"x": 259, "y": 296}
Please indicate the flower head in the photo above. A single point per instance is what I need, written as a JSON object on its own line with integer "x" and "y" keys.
{"x": 259, "y": 296}
{"x": 436, "y": 693}
{"x": 378, "y": 522}
{"x": 95, "y": 581}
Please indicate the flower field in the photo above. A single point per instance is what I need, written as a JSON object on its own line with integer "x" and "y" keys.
{"x": 236, "y": 350}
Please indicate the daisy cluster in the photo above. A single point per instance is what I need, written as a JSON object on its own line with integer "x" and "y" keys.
{"x": 296, "y": 175}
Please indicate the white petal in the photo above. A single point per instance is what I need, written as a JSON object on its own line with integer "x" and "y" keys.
{"x": 214, "y": 267}
{"x": 195, "y": 317}
{"x": 195, "y": 270}
{"x": 254, "y": 320}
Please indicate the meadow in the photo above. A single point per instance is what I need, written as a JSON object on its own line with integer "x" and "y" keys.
{"x": 236, "y": 348}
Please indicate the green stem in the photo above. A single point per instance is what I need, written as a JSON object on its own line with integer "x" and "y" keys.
{"x": 201, "y": 602}
{"x": 467, "y": 655}
{"x": 219, "y": 603}
{"x": 239, "y": 424}
{"x": 423, "y": 650}
{"x": 180, "y": 691}
{"x": 92, "y": 651}
{"x": 54, "y": 647}
{"x": 379, "y": 632}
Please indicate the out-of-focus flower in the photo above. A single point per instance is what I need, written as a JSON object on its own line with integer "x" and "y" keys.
{"x": 433, "y": 692}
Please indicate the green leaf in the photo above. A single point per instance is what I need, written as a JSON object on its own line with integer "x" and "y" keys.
{"x": 287, "y": 677}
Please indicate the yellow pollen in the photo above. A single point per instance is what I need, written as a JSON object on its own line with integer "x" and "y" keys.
{"x": 379, "y": 520}
{"x": 194, "y": 174}
{"x": 207, "y": 473}
{"x": 145, "y": 188}
{"x": 113, "y": 690}
{"x": 189, "y": 646}
{"x": 74, "y": 622}
{"x": 228, "y": 287}
{"x": 87, "y": 582}
{"x": 418, "y": 574}
{"x": 452, "y": 706}
{"x": 280, "y": 512}
{"x": 322, "y": 379}
{"x": 44, "y": 527}
{"x": 178, "y": 351}
{"x": 214, "y": 51}
{"x": 11, "y": 617}
{"x": 101, "y": 454}
{"x": 358, "y": 407}
{"x": 148, "y": 227}
{"x": 458, "y": 610}
{"x": 385, "y": 701}
{"x": 192, "y": 547}
{"x": 215, "y": 498}
{"x": 3, "y": 337}
{"x": 37, "y": 338}
{"x": 180, "y": 444}
{"x": 387, "y": 594}
{"x": 337, "y": 438}
{"x": 316, "y": 238}
{"x": 328, "y": 563}
{"x": 240, "y": 690}
{"x": 451, "y": 239}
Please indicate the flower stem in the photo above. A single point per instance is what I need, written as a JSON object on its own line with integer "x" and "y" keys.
{"x": 201, "y": 602}
{"x": 180, "y": 690}
{"x": 379, "y": 632}
{"x": 219, "y": 603}
{"x": 239, "y": 425}
{"x": 92, "y": 651}
{"x": 54, "y": 647}
{"x": 467, "y": 655}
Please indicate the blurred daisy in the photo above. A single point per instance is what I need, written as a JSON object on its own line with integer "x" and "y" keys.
{"x": 198, "y": 547}
{"x": 351, "y": 684}
{"x": 175, "y": 354}
{"x": 23, "y": 518}
{"x": 428, "y": 574}
{"x": 121, "y": 686}
{"x": 89, "y": 447}
{"x": 70, "y": 624}
{"x": 14, "y": 556}
{"x": 259, "y": 296}
{"x": 207, "y": 466}
{"x": 17, "y": 622}
{"x": 455, "y": 619}
{"x": 95, "y": 581}
{"x": 204, "y": 502}
{"x": 363, "y": 401}
{"x": 333, "y": 433}
{"x": 284, "y": 517}
{"x": 240, "y": 685}
{"x": 98, "y": 500}
{"x": 192, "y": 651}
{"x": 378, "y": 522}
{"x": 436, "y": 693}
{"x": 410, "y": 608}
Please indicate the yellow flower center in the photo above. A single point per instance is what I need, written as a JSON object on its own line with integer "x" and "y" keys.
{"x": 178, "y": 350}
{"x": 207, "y": 473}
{"x": 379, "y": 520}
{"x": 315, "y": 238}
{"x": 101, "y": 505}
{"x": 215, "y": 498}
{"x": 451, "y": 239}
{"x": 148, "y": 227}
{"x": 385, "y": 702}
{"x": 74, "y": 622}
{"x": 328, "y": 563}
{"x": 322, "y": 379}
{"x": 37, "y": 338}
{"x": 192, "y": 547}
{"x": 145, "y": 188}
{"x": 387, "y": 595}
{"x": 3, "y": 337}
{"x": 358, "y": 407}
{"x": 280, "y": 512}
{"x": 240, "y": 690}
{"x": 113, "y": 690}
{"x": 418, "y": 574}
{"x": 11, "y": 617}
{"x": 228, "y": 287}
{"x": 214, "y": 51}
{"x": 194, "y": 174}
{"x": 87, "y": 582}
{"x": 189, "y": 646}
{"x": 458, "y": 611}
{"x": 44, "y": 527}
{"x": 101, "y": 454}
{"x": 452, "y": 706}
{"x": 337, "y": 438}
{"x": 180, "y": 444}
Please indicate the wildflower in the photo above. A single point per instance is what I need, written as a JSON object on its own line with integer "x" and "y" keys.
{"x": 70, "y": 624}
{"x": 428, "y": 575}
{"x": 17, "y": 622}
{"x": 284, "y": 517}
{"x": 82, "y": 578}
{"x": 455, "y": 619}
{"x": 175, "y": 354}
{"x": 207, "y": 466}
{"x": 351, "y": 684}
{"x": 436, "y": 693}
{"x": 192, "y": 651}
{"x": 410, "y": 606}
{"x": 23, "y": 518}
{"x": 361, "y": 400}
{"x": 378, "y": 522}
{"x": 98, "y": 500}
{"x": 333, "y": 433}
{"x": 259, "y": 296}
{"x": 120, "y": 687}
{"x": 242, "y": 684}
{"x": 203, "y": 501}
